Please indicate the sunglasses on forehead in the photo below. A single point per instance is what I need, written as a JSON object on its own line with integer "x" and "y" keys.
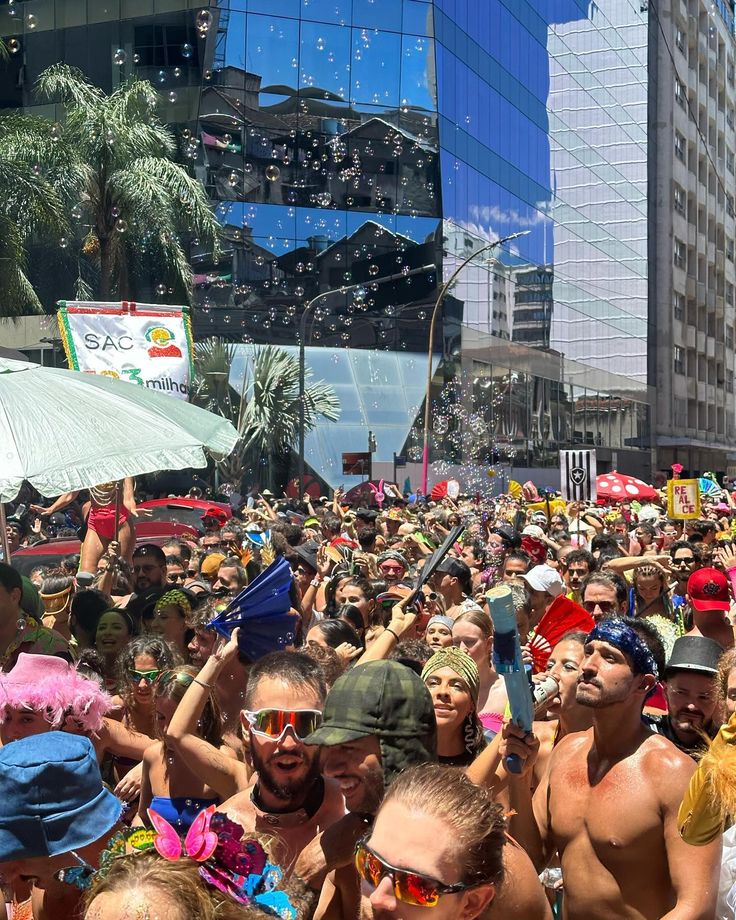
{"x": 409, "y": 887}
{"x": 273, "y": 723}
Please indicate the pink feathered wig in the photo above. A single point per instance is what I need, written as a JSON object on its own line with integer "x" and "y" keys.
{"x": 42, "y": 683}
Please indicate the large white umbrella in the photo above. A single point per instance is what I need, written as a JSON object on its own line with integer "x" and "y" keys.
{"x": 64, "y": 430}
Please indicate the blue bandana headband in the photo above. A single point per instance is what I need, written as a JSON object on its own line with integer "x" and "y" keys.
{"x": 622, "y": 636}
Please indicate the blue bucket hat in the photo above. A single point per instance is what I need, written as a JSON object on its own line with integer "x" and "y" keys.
{"x": 52, "y": 799}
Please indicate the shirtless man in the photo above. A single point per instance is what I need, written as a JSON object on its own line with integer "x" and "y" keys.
{"x": 608, "y": 801}
{"x": 286, "y": 797}
{"x": 379, "y": 719}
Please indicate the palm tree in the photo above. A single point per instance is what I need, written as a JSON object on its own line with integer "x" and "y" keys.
{"x": 122, "y": 186}
{"x": 31, "y": 205}
{"x": 265, "y": 412}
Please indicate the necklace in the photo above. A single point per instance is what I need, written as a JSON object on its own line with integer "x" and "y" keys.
{"x": 103, "y": 494}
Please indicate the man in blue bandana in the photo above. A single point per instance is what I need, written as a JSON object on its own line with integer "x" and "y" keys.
{"x": 608, "y": 802}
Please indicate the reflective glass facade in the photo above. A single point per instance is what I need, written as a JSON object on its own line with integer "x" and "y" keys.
{"x": 377, "y": 143}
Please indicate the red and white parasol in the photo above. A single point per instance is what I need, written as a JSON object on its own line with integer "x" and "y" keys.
{"x": 619, "y": 488}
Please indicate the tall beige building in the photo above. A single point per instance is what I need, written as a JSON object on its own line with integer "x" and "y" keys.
{"x": 691, "y": 273}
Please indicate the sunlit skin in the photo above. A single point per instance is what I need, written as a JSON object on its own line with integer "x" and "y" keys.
{"x": 227, "y": 578}
{"x": 22, "y": 723}
{"x": 112, "y": 634}
{"x": 141, "y": 689}
{"x": 470, "y": 638}
{"x": 683, "y": 564}
{"x": 400, "y": 837}
{"x": 438, "y": 636}
{"x": 286, "y": 767}
{"x": 575, "y": 573}
{"x": 391, "y": 571}
{"x": 147, "y": 573}
{"x": 175, "y": 574}
{"x": 692, "y": 703}
{"x": 201, "y": 646}
{"x": 356, "y": 767}
{"x": 170, "y": 623}
{"x": 315, "y": 636}
{"x": 564, "y": 665}
{"x": 512, "y": 568}
{"x": 600, "y": 601}
{"x": 649, "y": 587}
{"x": 352, "y": 594}
{"x": 138, "y": 904}
{"x": 452, "y": 705}
{"x": 731, "y": 693}
{"x": 606, "y": 678}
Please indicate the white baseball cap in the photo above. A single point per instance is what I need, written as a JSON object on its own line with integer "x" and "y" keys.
{"x": 532, "y": 530}
{"x": 544, "y": 578}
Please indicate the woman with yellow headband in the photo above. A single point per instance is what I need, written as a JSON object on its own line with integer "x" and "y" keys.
{"x": 169, "y": 620}
{"x": 56, "y": 594}
{"x": 453, "y": 681}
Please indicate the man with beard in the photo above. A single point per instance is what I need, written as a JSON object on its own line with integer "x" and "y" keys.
{"x": 609, "y": 798}
{"x": 286, "y": 797}
{"x": 690, "y": 683}
{"x": 149, "y": 579}
{"x": 392, "y": 567}
{"x": 379, "y": 720}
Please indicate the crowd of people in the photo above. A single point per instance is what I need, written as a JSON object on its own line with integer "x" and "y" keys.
{"x": 369, "y": 761}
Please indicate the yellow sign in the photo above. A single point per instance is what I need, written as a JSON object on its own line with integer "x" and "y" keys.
{"x": 683, "y": 499}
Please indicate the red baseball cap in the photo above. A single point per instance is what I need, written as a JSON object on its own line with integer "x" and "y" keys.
{"x": 217, "y": 514}
{"x": 708, "y": 590}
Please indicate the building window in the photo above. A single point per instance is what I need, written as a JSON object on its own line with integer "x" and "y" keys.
{"x": 679, "y": 354}
{"x": 680, "y": 148}
{"x": 729, "y": 381}
{"x": 729, "y": 116}
{"x": 679, "y": 199}
{"x": 730, "y": 70}
{"x": 678, "y": 305}
{"x": 729, "y": 250}
{"x": 729, "y": 336}
{"x": 729, "y": 293}
{"x": 680, "y": 254}
{"x": 729, "y": 161}
{"x": 680, "y": 39}
{"x": 729, "y": 204}
{"x": 680, "y": 97}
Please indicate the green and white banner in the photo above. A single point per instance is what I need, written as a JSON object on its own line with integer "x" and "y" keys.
{"x": 146, "y": 344}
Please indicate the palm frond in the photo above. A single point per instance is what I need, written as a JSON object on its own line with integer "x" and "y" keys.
{"x": 68, "y": 85}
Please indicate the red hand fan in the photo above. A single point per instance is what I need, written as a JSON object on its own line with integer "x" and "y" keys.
{"x": 562, "y": 616}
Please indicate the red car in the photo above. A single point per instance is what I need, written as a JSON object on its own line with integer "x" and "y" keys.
{"x": 184, "y": 510}
{"x": 52, "y": 552}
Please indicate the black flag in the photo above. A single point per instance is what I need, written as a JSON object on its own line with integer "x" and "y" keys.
{"x": 578, "y": 475}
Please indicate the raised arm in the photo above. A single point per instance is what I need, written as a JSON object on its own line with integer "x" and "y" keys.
{"x": 529, "y": 823}
{"x": 694, "y": 870}
{"x": 224, "y": 774}
{"x": 61, "y": 502}
{"x": 485, "y": 770}
{"x": 402, "y": 623}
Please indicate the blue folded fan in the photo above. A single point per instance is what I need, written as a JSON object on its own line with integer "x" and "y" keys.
{"x": 262, "y": 612}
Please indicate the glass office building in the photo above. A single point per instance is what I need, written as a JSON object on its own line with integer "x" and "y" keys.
{"x": 360, "y": 150}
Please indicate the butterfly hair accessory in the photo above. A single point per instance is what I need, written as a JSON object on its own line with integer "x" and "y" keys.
{"x": 233, "y": 865}
{"x": 199, "y": 844}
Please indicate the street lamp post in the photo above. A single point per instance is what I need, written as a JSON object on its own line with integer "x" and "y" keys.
{"x": 344, "y": 289}
{"x": 440, "y": 297}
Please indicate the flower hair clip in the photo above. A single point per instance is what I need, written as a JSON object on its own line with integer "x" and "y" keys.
{"x": 235, "y": 866}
